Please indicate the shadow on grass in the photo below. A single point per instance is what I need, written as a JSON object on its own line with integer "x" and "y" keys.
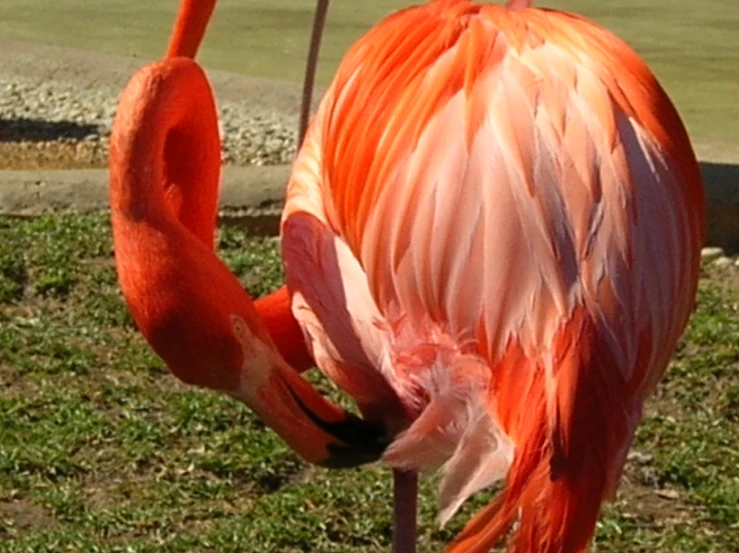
{"x": 38, "y": 130}
{"x": 722, "y": 197}
{"x": 723, "y": 174}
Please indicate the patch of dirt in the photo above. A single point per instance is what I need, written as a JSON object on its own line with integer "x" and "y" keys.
{"x": 640, "y": 499}
{"x": 22, "y": 514}
{"x": 98, "y": 70}
{"x": 8, "y": 376}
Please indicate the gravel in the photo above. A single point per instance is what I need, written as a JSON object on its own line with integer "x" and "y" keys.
{"x": 36, "y": 113}
{"x": 716, "y": 256}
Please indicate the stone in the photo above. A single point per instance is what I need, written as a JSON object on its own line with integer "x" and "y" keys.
{"x": 722, "y": 262}
{"x": 710, "y": 253}
{"x": 640, "y": 458}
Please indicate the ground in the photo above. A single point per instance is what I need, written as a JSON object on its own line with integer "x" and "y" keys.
{"x": 102, "y": 450}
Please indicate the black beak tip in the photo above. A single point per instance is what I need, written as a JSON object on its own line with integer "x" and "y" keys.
{"x": 361, "y": 443}
{"x": 349, "y": 457}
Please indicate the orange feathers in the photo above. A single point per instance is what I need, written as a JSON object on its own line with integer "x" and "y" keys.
{"x": 507, "y": 213}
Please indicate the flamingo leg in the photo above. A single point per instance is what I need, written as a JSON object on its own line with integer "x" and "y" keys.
{"x": 310, "y": 67}
{"x": 405, "y": 504}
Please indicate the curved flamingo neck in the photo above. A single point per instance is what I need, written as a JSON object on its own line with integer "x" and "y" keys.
{"x": 170, "y": 130}
{"x": 165, "y": 153}
{"x": 164, "y": 168}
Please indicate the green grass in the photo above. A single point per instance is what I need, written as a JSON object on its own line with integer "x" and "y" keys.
{"x": 101, "y": 450}
{"x": 690, "y": 45}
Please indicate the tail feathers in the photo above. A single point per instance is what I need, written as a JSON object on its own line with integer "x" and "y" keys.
{"x": 555, "y": 514}
{"x": 571, "y": 434}
{"x": 483, "y": 457}
{"x": 471, "y": 449}
{"x": 457, "y": 430}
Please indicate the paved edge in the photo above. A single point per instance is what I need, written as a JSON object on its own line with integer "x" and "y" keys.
{"x": 251, "y": 197}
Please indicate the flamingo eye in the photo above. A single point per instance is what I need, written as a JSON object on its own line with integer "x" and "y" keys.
{"x": 239, "y": 327}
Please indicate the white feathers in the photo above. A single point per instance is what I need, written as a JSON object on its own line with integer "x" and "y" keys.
{"x": 457, "y": 429}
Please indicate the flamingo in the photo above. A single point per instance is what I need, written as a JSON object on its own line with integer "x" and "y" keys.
{"x": 497, "y": 214}
{"x": 491, "y": 241}
{"x": 164, "y": 174}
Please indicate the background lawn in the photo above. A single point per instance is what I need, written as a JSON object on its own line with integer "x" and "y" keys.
{"x": 692, "y": 46}
{"x": 101, "y": 450}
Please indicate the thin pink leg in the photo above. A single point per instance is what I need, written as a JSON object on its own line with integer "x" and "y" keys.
{"x": 310, "y": 67}
{"x": 405, "y": 505}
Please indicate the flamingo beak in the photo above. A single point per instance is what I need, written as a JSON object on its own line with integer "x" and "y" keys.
{"x": 316, "y": 429}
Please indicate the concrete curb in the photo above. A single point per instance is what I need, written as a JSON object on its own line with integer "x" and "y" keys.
{"x": 251, "y": 197}
{"x": 720, "y": 168}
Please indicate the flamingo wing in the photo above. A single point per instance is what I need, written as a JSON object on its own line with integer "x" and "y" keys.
{"x": 517, "y": 181}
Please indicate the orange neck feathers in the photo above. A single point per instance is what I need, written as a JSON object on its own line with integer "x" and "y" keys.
{"x": 165, "y": 153}
{"x": 275, "y": 309}
{"x": 189, "y": 29}
{"x": 165, "y": 168}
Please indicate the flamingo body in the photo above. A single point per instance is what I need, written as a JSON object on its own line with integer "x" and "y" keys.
{"x": 492, "y": 238}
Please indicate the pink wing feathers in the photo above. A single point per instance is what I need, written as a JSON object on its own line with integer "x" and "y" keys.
{"x": 515, "y": 190}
